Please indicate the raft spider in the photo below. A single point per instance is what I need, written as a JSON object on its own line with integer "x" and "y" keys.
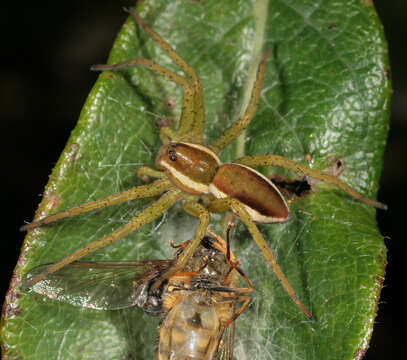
{"x": 191, "y": 171}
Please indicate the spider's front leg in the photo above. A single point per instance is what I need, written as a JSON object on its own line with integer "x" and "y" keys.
{"x": 145, "y": 173}
{"x": 194, "y": 124}
{"x": 188, "y": 113}
{"x": 147, "y": 215}
{"x": 234, "y": 130}
{"x": 192, "y": 120}
{"x": 199, "y": 211}
{"x": 221, "y": 205}
{"x": 136, "y": 192}
{"x": 276, "y": 160}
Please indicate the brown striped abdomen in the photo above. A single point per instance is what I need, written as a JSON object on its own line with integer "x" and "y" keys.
{"x": 260, "y": 196}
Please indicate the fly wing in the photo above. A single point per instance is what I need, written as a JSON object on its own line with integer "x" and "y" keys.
{"x": 98, "y": 285}
{"x": 225, "y": 350}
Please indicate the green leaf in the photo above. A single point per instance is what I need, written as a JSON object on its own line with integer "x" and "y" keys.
{"x": 325, "y": 94}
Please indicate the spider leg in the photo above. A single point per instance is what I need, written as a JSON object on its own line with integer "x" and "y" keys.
{"x": 199, "y": 107}
{"x": 197, "y": 124}
{"x": 168, "y": 134}
{"x": 220, "y": 205}
{"x": 276, "y": 160}
{"x": 188, "y": 111}
{"x": 200, "y": 212}
{"x": 145, "y": 173}
{"x": 136, "y": 192}
{"x": 150, "y": 213}
{"x": 234, "y": 130}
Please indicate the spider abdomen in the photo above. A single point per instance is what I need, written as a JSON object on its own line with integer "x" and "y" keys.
{"x": 260, "y": 197}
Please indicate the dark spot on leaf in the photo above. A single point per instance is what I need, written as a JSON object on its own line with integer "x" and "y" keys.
{"x": 107, "y": 75}
{"x": 383, "y": 259}
{"x": 72, "y": 154}
{"x": 332, "y": 26}
{"x": 337, "y": 167}
{"x": 170, "y": 103}
{"x": 386, "y": 73}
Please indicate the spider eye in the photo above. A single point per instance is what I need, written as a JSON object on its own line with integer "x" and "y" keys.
{"x": 172, "y": 155}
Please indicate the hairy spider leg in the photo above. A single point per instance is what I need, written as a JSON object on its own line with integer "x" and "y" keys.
{"x": 145, "y": 173}
{"x": 220, "y": 205}
{"x": 241, "y": 124}
{"x": 276, "y": 160}
{"x": 136, "y": 192}
{"x": 200, "y": 212}
{"x": 188, "y": 110}
{"x": 196, "y": 124}
{"x": 142, "y": 218}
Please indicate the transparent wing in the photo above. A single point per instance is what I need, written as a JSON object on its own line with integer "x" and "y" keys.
{"x": 98, "y": 285}
{"x": 225, "y": 350}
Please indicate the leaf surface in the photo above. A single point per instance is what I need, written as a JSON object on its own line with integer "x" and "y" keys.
{"x": 325, "y": 95}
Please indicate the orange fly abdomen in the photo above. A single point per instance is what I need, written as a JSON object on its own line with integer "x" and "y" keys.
{"x": 190, "y": 330}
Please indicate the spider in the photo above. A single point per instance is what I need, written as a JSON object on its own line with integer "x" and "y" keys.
{"x": 191, "y": 171}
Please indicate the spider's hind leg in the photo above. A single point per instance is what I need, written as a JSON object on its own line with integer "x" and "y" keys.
{"x": 276, "y": 160}
{"x": 220, "y": 205}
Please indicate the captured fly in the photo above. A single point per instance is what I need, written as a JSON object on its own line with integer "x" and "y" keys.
{"x": 198, "y": 306}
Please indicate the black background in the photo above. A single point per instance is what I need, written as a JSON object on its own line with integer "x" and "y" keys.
{"x": 45, "y": 80}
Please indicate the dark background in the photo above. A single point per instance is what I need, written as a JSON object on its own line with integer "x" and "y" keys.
{"x": 45, "y": 79}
